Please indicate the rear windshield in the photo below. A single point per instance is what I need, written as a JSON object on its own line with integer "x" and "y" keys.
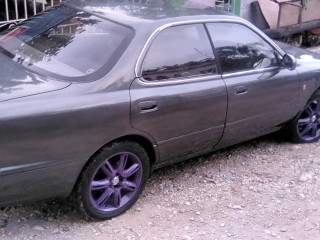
{"x": 67, "y": 43}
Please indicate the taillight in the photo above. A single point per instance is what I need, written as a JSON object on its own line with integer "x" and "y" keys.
{"x": 13, "y": 34}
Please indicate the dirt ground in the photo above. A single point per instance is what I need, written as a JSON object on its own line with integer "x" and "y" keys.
{"x": 263, "y": 189}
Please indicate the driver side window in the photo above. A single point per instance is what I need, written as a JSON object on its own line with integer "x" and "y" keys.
{"x": 238, "y": 48}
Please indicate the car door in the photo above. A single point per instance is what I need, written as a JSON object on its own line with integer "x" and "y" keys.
{"x": 179, "y": 98}
{"x": 261, "y": 93}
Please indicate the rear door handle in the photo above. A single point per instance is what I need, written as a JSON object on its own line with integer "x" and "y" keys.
{"x": 148, "y": 106}
{"x": 240, "y": 90}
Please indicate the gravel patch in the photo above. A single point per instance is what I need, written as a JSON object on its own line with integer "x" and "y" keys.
{"x": 262, "y": 189}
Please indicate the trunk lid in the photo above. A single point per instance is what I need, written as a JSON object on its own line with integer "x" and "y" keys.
{"x": 16, "y": 81}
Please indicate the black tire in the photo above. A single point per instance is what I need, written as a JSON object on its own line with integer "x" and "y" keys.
{"x": 112, "y": 181}
{"x": 305, "y": 127}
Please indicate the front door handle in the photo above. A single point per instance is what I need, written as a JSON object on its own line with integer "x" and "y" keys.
{"x": 240, "y": 90}
{"x": 148, "y": 106}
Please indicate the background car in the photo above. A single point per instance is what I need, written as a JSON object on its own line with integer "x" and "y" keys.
{"x": 94, "y": 98}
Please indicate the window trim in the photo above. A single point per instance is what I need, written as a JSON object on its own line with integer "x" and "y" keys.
{"x": 147, "y": 45}
{"x": 174, "y": 81}
{"x": 206, "y": 33}
{"x": 247, "y": 72}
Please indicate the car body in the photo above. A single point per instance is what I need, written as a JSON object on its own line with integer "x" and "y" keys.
{"x": 94, "y": 97}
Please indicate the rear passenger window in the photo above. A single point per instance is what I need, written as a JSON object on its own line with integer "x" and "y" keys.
{"x": 179, "y": 52}
{"x": 238, "y": 48}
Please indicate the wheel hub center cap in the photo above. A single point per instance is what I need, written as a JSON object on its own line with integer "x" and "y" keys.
{"x": 314, "y": 118}
{"x": 115, "y": 181}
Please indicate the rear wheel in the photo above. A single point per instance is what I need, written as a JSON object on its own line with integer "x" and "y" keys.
{"x": 113, "y": 181}
{"x": 305, "y": 128}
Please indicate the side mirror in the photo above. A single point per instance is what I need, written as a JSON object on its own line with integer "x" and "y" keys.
{"x": 288, "y": 61}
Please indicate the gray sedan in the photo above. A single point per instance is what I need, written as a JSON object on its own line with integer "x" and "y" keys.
{"x": 93, "y": 98}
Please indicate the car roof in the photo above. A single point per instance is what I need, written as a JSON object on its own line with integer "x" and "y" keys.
{"x": 143, "y": 15}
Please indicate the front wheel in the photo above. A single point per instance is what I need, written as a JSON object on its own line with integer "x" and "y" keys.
{"x": 113, "y": 181}
{"x": 305, "y": 128}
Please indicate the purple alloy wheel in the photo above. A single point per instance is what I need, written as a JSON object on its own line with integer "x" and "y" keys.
{"x": 116, "y": 182}
{"x": 309, "y": 122}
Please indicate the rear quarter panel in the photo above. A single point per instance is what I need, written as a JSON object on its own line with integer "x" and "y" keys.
{"x": 46, "y": 140}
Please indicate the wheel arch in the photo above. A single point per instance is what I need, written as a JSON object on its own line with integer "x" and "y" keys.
{"x": 148, "y": 146}
{"x": 317, "y": 91}
{"x": 291, "y": 127}
{"x": 144, "y": 142}
{"x": 304, "y": 101}
{"x": 301, "y": 107}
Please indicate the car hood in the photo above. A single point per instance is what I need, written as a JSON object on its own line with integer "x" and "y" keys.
{"x": 300, "y": 54}
{"x": 16, "y": 81}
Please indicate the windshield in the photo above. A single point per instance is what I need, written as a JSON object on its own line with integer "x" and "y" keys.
{"x": 66, "y": 42}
